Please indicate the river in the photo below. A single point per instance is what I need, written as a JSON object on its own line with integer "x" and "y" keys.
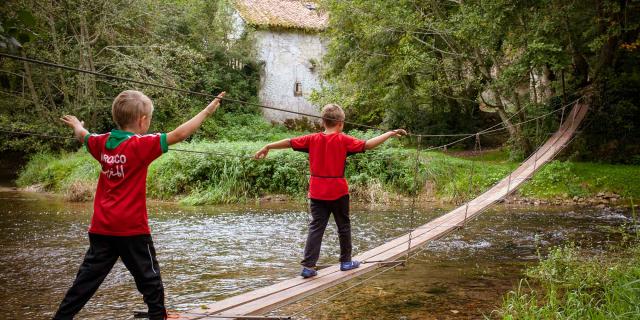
{"x": 211, "y": 252}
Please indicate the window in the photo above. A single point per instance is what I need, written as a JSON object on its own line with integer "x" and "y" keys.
{"x": 297, "y": 89}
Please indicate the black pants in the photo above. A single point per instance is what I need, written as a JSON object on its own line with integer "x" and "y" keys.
{"x": 320, "y": 212}
{"x": 137, "y": 254}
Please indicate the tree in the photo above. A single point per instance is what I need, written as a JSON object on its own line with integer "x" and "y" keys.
{"x": 438, "y": 60}
{"x": 181, "y": 43}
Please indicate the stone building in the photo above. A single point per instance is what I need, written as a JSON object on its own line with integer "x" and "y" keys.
{"x": 289, "y": 45}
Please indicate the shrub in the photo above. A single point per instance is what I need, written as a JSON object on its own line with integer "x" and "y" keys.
{"x": 570, "y": 285}
{"x": 230, "y": 175}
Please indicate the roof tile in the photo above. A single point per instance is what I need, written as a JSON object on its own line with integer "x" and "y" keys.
{"x": 294, "y": 14}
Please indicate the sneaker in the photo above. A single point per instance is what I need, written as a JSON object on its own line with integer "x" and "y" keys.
{"x": 346, "y": 266}
{"x": 308, "y": 272}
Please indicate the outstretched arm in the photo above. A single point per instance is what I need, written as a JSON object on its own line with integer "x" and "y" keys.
{"x": 79, "y": 131}
{"x": 374, "y": 142}
{"x": 282, "y": 144}
{"x": 188, "y": 128}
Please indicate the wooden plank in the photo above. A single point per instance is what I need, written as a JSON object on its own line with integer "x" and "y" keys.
{"x": 271, "y": 297}
{"x": 284, "y": 297}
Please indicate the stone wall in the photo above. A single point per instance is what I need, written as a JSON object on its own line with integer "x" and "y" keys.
{"x": 289, "y": 57}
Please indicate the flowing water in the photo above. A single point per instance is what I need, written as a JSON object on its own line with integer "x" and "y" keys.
{"x": 209, "y": 253}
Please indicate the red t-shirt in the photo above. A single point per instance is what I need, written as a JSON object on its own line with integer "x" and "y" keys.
{"x": 327, "y": 156}
{"x": 120, "y": 208}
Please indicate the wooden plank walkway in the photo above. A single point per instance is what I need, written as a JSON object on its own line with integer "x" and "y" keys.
{"x": 269, "y": 298}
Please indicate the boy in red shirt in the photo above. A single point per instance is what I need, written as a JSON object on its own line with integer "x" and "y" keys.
{"x": 328, "y": 190}
{"x": 119, "y": 227}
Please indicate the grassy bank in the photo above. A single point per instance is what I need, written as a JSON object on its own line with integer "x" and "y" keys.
{"x": 379, "y": 175}
{"x": 571, "y": 285}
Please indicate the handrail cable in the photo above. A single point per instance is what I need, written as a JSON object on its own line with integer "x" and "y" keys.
{"x": 203, "y": 94}
{"x": 485, "y": 131}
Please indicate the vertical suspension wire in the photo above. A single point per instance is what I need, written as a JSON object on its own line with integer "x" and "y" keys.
{"x": 416, "y": 173}
{"x": 484, "y": 163}
{"x": 537, "y": 130}
{"x": 473, "y": 164}
{"x": 562, "y": 116}
{"x": 535, "y": 155}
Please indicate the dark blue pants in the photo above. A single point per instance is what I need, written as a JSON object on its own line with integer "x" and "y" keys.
{"x": 137, "y": 254}
{"x": 320, "y": 212}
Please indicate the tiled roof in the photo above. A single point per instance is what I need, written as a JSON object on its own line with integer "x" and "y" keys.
{"x": 294, "y": 14}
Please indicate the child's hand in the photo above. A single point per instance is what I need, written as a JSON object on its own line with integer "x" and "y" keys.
{"x": 262, "y": 153}
{"x": 78, "y": 127}
{"x": 399, "y": 132}
{"x": 213, "y": 106}
{"x": 72, "y": 121}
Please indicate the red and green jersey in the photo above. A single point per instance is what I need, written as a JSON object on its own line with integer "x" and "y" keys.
{"x": 120, "y": 207}
{"x": 327, "y": 157}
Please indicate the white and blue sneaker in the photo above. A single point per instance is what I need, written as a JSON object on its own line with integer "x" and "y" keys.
{"x": 308, "y": 272}
{"x": 350, "y": 265}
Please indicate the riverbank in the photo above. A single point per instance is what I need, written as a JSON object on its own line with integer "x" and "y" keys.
{"x": 382, "y": 176}
{"x": 572, "y": 284}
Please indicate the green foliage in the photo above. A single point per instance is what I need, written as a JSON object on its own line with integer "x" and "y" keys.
{"x": 14, "y": 30}
{"x": 554, "y": 177}
{"x": 582, "y": 179}
{"x": 230, "y": 175}
{"x": 569, "y": 285}
{"x": 432, "y": 66}
{"x": 428, "y": 66}
{"x": 614, "y": 135}
{"x": 58, "y": 174}
{"x": 380, "y": 71}
{"x": 244, "y": 127}
{"x": 199, "y": 179}
{"x": 183, "y": 44}
{"x": 220, "y": 179}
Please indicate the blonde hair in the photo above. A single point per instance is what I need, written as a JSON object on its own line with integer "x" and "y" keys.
{"x": 129, "y": 106}
{"x": 332, "y": 114}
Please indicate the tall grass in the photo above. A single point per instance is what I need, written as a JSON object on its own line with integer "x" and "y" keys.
{"x": 200, "y": 179}
{"x": 583, "y": 180}
{"x": 389, "y": 170}
{"x": 568, "y": 285}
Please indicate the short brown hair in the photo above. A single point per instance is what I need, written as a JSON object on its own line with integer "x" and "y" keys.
{"x": 332, "y": 114}
{"x": 129, "y": 106}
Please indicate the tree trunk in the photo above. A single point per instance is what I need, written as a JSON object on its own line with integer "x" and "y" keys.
{"x": 49, "y": 93}
{"x": 534, "y": 84}
{"x": 520, "y": 138}
{"x": 58, "y": 54}
{"x": 29, "y": 79}
{"x": 87, "y": 63}
{"x": 606, "y": 54}
{"x": 546, "y": 80}
{"x": 580, "y": 64}
{"x": 507, "y": 122}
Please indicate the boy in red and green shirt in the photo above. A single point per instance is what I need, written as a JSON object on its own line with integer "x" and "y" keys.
{"x": 119, "y": 226}
{"x": 328, "y": 189}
